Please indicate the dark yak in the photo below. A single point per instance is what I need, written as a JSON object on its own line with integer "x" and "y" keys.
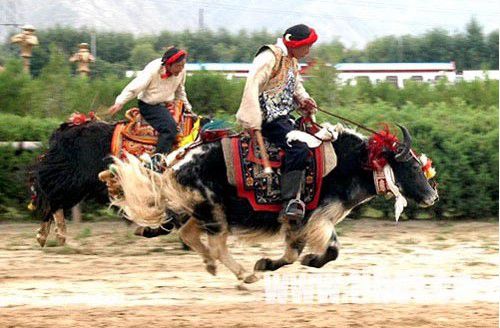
{"x": 68, "y": 173}
{"x": 197, "y": 186}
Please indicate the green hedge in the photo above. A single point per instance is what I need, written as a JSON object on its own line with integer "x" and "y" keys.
{"x": 462, "y": 142}
{"x": 454, "y": 124}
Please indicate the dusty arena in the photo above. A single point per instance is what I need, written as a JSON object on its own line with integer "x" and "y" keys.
{"x": 411, "y": 274}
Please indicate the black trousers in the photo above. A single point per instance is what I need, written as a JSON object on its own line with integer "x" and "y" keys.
{"x": 160, "y": 119}
{"x": 296, "y": 155}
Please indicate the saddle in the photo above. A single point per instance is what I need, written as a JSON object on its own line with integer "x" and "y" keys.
{"x": 245, "y": 171}
{"x": 136, "y": 136}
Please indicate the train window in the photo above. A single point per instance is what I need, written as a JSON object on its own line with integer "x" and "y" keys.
{"x": 417, "y": 78}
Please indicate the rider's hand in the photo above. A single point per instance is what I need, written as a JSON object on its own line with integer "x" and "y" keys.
{"x": 308, "y": 106}
{"x": 171, "y": 107}
{"x": 115, "y": 109}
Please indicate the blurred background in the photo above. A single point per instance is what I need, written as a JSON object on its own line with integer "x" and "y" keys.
{"x": 432, "y": 67}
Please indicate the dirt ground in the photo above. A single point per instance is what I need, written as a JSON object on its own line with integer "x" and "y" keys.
{"x": 411, "y": 274}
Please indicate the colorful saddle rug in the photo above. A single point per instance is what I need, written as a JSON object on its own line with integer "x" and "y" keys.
{"x": 137, "y": 137}
{"x": 245, "y": 171}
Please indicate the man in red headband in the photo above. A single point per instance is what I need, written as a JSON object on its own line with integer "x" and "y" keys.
{"x": 274, "y": 89}
{"x": 161, "y": 82}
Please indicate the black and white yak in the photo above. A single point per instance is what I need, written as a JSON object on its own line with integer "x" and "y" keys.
{"x": 197, "y": 186}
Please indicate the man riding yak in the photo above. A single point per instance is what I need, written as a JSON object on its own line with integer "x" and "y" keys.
{"x": 68, "y": 172}
{"x": 272, "y": 91}
{"x": 161, "y": 82}
{"x": 222, "y": 186}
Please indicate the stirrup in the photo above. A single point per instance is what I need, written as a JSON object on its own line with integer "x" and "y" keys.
{"x": 290, "y": 211}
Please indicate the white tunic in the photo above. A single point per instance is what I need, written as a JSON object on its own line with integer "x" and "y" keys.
{"x": 149, "y": 87}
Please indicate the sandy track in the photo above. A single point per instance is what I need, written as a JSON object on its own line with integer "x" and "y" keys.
{"x": 414, "y": 274}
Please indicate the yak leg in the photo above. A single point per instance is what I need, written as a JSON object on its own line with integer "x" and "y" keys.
{"x": 43, "y": 232}
{"x": 190, "y": 234}
{"x": 294, "y": 246}
{"x": 60, "y": 227}
{"x": 218, "y": 247}
{"x": 331, "y": 253}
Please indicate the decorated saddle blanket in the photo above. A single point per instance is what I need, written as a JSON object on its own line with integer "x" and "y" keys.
{"x": 136, "y": 136}
{"x": 245, "y": 171}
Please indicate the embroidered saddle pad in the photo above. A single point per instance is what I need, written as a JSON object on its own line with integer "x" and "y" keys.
{"x": 245, "y": 167}
{"x": 136, "y": 136}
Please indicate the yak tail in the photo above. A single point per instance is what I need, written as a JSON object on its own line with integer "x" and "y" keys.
{"x": 147, "y": 195}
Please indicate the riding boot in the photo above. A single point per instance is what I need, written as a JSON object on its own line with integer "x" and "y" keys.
{"x": 293, "y": 208}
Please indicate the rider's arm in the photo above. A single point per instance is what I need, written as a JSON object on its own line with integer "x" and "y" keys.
{"x": 300, "y": 92}
{"x": 180, "y": 92}
{"x": 140, "y": 83}
{"x": 306, "y": 103}
{"x": 249, "y": 114}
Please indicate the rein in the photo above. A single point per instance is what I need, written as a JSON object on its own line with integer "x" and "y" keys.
{"x": 347, "y": 120}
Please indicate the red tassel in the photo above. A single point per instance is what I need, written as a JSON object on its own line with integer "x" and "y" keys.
{"x": 383, "y": 140}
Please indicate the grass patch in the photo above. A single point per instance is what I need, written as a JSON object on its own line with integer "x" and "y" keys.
{"x": 171, "y": 238}
{"x": 125, "y": 239}
{"x": 84, "y": 233}
{"x": 406, "y": 250}
{"x": 64, "y": 250}
{"x": 440, "y": 238}
{"x": 51, "y": 243}
{"x": 69, "y": 250}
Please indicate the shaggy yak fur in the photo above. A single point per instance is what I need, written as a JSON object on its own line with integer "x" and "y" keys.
{"x": 67, "y": 173}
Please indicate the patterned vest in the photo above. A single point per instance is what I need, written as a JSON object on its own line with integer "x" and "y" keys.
{"x": 276, "y": 99}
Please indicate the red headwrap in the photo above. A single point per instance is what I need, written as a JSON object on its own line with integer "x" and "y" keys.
{"x": 172, "y": 59}
{"x": 299, "y": 43}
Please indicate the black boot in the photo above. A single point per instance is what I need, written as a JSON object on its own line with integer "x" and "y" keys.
{"x": 293, "y": 208}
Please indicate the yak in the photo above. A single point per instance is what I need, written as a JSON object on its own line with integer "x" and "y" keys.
{"x": 67, "y": 173}
{"x": 197, "y": 187}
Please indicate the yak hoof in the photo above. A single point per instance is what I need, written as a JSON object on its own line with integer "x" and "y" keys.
{"x": 310, "y": 260}
{"x": 263, "y": 264}
{"x": 41, "y": 239}
{"x": 212, "y": 269}
{"x": 61, "y": 240}
{"x": 251, "y": 279}
{"x": 139, "y": 231}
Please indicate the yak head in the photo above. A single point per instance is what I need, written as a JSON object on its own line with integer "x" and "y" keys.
{"x": 412, "y": 174}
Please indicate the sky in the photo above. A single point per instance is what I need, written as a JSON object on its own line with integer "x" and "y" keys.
{"x": 352, "y": 22}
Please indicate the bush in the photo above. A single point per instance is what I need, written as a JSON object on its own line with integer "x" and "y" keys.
{"x": 461, "y": 140}
{"x": 210, "y": 93}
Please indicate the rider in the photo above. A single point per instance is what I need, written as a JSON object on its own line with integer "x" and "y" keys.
{"x": 272, "y": 90}
{"x": 158, "y": 85}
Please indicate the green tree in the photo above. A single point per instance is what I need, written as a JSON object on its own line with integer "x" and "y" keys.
{"x": 492, "y": 50}
{"x": 142, "y": 54}
{"x": 436, "y": 46}
{"x": 475, "y": 46}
